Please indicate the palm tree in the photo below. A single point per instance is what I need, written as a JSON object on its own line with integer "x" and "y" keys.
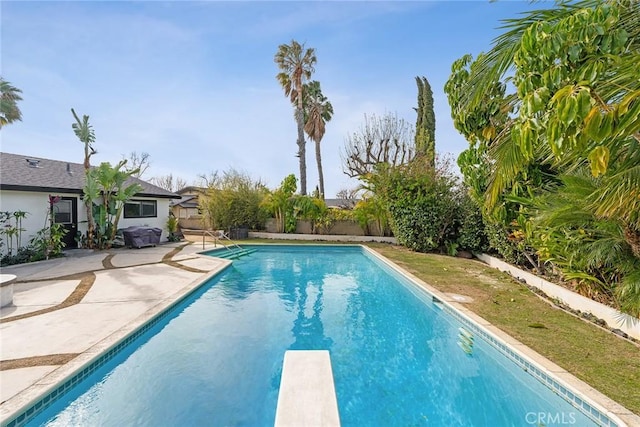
{"x": 576, "y": 108}
{"x": 610, "y": 149}
{"x": 317, "y": 112}
{"x": 115, "y": 191}
{"x": 84, "y": 132}
{"x": 296, "y": 66}
{"x": 9, "y": 111}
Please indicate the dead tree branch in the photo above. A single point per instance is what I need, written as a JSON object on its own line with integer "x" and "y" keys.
{"x": 381, "y": 140}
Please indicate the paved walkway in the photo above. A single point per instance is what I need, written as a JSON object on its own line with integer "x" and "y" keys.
{"x": 67, "y": 310}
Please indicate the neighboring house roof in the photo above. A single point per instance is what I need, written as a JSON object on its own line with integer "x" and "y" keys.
{"x": 186, "y": 202}
{"x": 341, "y": 203}
{"x": 191, "y": 190}
{"x": 28, "y": 173}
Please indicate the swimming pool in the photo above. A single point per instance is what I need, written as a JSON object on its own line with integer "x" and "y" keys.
{"x": 398, "y": 357}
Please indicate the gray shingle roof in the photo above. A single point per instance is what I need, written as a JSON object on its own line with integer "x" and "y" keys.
{"x": 191, "y": 189}
{"x": 28, "y": 173}
{"x": 187, "y": 202}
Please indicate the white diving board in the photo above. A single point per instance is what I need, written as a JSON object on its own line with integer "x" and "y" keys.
{"x": 307, "y": 394}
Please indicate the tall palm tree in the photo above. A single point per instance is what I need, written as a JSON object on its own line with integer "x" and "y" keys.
{"x": 84, "y": 132}
{"x": 317, "y": 112}
{"x": 296, "y": 65}
{"x": 9, "y": 111}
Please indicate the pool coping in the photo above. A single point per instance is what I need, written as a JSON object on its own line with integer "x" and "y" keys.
{"x": 22, "y": 407}
{"x": 19, "y": 409}
{"x": 579, "y": 394}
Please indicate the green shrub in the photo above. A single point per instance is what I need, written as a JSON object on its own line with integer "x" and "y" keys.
{"x": 423, "y": 207}
{"x": 372, "y": 210}
{"x": 11, "y": 230}
{"x": 471, "y": 228}
{"x": 172, "y": 229}
{"x": 48, "y": 242}
{"x": 499, "y": 242}
{"x": 312, "y": 209}
{"x": 279, "y": 204}
{"x": 232, "y": 200}
{"x": 341, "y": 214}
{"x": 25, "y": 254}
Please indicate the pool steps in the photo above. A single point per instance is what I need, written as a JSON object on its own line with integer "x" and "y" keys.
{"x": 307, "y": 394}
{"x": 232, "y": 253}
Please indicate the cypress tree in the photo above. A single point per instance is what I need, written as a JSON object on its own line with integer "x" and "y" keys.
{"x": 426, "y": 122}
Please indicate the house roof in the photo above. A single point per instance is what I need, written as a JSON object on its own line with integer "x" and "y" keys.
{"x": 191, "y": 190}
{"x": 29, "y": 173}
{"x": 341, "y": 203}
{"x": 186, "y": 202}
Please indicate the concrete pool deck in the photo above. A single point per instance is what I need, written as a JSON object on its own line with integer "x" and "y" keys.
{"x": 67, "y": 310}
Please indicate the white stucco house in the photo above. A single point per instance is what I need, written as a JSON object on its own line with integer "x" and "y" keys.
{"x": 26, "y": 182}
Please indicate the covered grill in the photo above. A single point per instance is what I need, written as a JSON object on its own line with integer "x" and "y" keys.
{"x": 138, "y": 237}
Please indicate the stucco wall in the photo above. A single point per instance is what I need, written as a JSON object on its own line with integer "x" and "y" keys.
{"x": 36, "y": 205}
{"x": 160, "y": 221}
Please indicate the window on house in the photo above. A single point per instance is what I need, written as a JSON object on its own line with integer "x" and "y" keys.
{"x": 141, "y": 209}
{"x": 62, "y": 212}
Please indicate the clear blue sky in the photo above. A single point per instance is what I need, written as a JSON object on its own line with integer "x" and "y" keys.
{"x": 193, "y": 83}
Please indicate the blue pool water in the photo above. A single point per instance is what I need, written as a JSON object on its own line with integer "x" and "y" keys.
{"x": 397, "y": 358}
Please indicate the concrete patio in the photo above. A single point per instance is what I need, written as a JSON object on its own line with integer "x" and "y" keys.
{"x": 67, "y": 310}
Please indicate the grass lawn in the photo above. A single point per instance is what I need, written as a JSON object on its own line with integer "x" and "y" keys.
{"x": 606, "y": 362}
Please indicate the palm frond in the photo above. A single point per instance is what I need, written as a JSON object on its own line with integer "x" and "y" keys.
{"x": 622, "y": 71}
{"x": 317, "y": 110}
{"x": 82, "y": 129}
{"x": 619, "y": 197}
{"x": 9, "y": 97}
{"x": 499, "y": 61}
{"x": 628, "y": 293}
